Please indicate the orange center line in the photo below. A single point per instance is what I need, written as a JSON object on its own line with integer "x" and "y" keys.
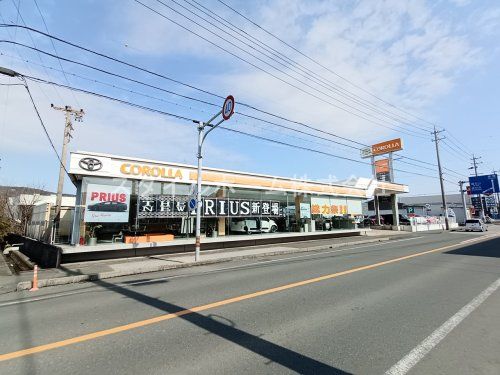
{"x": 161, "y": 318}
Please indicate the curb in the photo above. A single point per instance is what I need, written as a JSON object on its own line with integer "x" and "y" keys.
{"x": 43, "y": 283}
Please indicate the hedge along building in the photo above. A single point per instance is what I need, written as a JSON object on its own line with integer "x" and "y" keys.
{"x": 121, "y": 199}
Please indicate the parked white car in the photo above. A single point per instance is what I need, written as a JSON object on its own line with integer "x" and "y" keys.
{"x": 474, "y": 225}
{"x": 253, "y": 225}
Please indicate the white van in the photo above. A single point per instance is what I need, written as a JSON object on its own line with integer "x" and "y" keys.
{"x": 474, "y": 225}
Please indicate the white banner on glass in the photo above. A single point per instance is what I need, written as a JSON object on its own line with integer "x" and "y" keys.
{"x": 107, "y": 204}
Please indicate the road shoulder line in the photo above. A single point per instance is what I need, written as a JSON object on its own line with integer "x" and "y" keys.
{"x": 420, "y": 351}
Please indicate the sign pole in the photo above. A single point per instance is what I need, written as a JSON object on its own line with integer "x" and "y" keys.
{"x": 375, "y": 196}
{"x": 461, "y": 183}
{"x": 201, "y": 128}
{"x": 226, "y": 111}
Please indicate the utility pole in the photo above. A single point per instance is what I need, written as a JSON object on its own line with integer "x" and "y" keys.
{"x": 461, "y": 183}
{"x": 68, "y": 128}
{"x": 441, "y": 182}
{"x": 475, "y": 163}
{"x": 495, "y": 194}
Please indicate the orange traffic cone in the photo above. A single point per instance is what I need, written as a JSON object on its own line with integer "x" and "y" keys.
{"x": 34, "y": 287}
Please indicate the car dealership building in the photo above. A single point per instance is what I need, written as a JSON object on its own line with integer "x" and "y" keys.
{"x": 124, "y": 203}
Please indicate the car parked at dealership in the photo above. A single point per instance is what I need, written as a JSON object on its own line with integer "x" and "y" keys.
{"x": 108, "y": 207}
{"x": 253, "y": 225}
{"x": 475, "y": 225}
{"x": 372, "y": 220}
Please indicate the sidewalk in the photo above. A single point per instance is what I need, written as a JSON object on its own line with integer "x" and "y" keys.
{"x": 94, "y": 270}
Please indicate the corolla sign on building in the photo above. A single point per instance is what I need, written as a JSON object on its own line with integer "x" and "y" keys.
{"x": 107, "y": 203}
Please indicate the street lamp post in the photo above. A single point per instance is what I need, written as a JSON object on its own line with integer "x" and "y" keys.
{"x": 226, "y": 111}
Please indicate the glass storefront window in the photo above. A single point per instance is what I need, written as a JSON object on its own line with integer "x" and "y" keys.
{"x": 110, "y": 211}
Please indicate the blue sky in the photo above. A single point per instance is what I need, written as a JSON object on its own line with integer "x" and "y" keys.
{"x": 435, "y": 59}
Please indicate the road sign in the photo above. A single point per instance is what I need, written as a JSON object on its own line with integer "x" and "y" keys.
{"x": 366, "y": 152}
{"x": 428, "y": 207}
{"x": 490, "y": 201}
{"x": 486, "y": 184}
{"x": 228, "y": 108}
{"x": 192, "y": 204}
{"x": 410, "y": 210}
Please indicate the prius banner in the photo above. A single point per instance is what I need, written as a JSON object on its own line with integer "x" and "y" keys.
{"x": 107, "y": 203}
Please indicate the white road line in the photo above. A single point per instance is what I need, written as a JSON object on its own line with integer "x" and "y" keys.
{"x": 91, "y": 289}
{"x": 419, "y": 352}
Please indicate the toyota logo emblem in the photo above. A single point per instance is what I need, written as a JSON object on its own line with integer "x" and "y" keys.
{"x": 90, "y": 164}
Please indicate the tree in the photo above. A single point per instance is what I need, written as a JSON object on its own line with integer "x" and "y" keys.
{"x": 16, "y": 208}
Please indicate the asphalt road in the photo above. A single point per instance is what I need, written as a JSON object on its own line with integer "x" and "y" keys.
{"x": 427, "y": 304}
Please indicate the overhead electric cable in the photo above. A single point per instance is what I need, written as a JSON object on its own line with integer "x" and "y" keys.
{"x": 226, "y": 128}
{"x": 18, "y": 10}
{"x": 350, "y": 111}
{"x": 320, "y": 64}
{"x": 55, "y": 50}
{"x": 287, "y": 63}
{"x": 43, "y": 125}
{"x": 173, "y": 80}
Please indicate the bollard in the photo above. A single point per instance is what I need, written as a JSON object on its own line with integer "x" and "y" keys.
{"x": 34, "y": 287}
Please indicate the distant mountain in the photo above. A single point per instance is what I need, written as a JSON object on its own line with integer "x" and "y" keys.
{"x": 16, "y": 190}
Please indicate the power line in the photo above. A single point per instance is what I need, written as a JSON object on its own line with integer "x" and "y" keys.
{"x": 391, "y": 127}
{"x": 227, "y": 129}
{"x": 255, "y": 118}
{"x": 212, "y": 104}
{"x": 349, "y": 140}
{"x": 110, "y": 98}
{"x": 320, "y": 64}
{"x": 285, "y": 62}
{"x": 43, "y": 126}
{"x": 185, "y": 96}
{"x": 55, "y": 50}
{"x": 290, "y": 46}
{"x": 107, "y": 72}
{"x": 240, "y": 113}
{"x": 454, "y": 151}
{"x": 243, "y": 114}
{"x": 32, "y": 41}
{"x": 13, "y": 37}
{"x": 173, "y": 80}
{"x": 455, "y": 143}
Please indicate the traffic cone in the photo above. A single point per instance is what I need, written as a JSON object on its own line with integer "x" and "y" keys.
{"x": 34, "y": 287}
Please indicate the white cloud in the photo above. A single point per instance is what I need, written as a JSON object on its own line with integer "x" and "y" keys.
{"x": 403, "y": 51}
{"x": 460, "y": 3}
{"x": 107, "y": 127}
{"x": 400, "y": 50}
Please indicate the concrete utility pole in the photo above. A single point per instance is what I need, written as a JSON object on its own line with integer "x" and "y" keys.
{"x": 475, "y": 163}
{"x": 68, "y": 127}
{"x": 461, "y": 183}
{"x": 443, "y": 198}
{"x": 497, "y": 198}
